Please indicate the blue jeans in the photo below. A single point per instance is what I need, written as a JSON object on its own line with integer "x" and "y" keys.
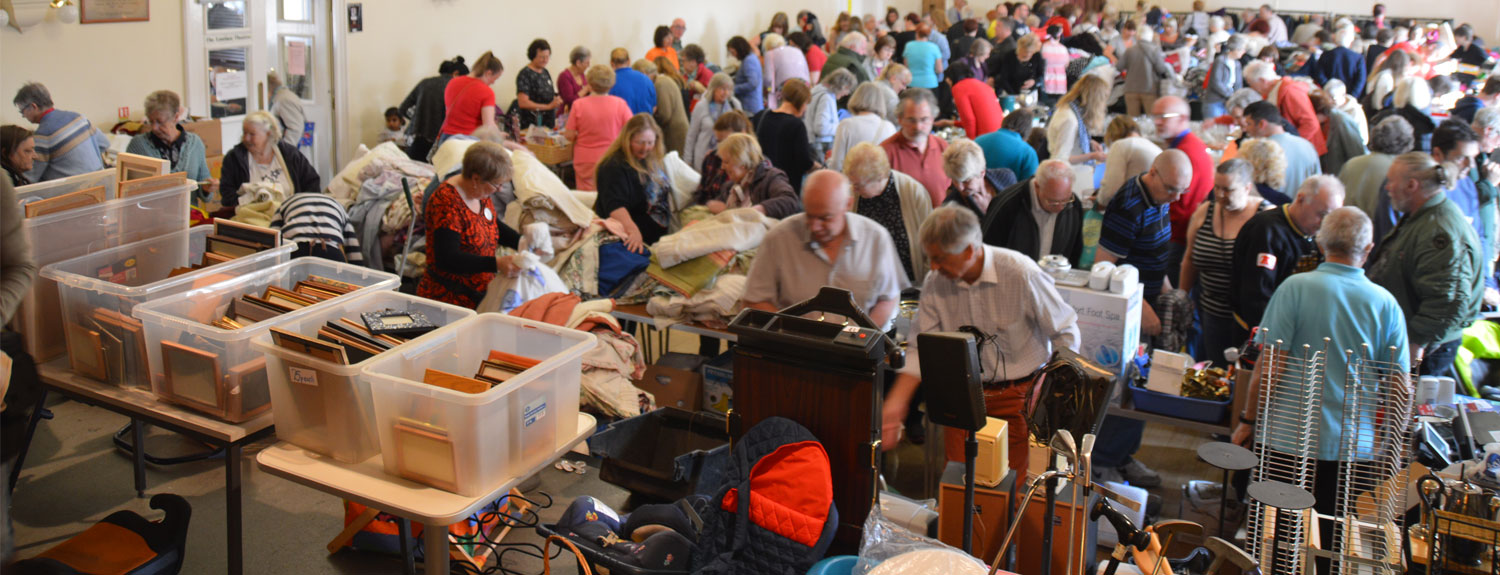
{"x": 1216, "y": 334}
{"x": 1117, "y": 440}
{"x": 1213, "y": 110}
{"x": 1439, "y": 360}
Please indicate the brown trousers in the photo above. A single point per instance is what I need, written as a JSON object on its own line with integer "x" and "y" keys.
{"x": 1007, "y": 404}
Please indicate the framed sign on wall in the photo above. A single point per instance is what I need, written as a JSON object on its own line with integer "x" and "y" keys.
{"x": 105, "y": 11}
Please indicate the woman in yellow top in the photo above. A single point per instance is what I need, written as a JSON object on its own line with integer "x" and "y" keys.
{"x": 662, "y": 42}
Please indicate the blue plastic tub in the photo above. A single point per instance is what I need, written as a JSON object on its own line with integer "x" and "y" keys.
{"x": 1202, "y": 410}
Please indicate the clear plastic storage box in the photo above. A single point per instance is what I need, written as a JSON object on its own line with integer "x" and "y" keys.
{"x": 100, "y": 290}
{"x": 326, "y": 407}
{"x": 81, "y": 231}
{"x": 216, "y": 371}
{"x": 474, "y": 442}
{"x": 54, "y": 188}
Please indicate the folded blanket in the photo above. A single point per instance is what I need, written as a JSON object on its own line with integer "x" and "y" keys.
{"x": 689, "y": 277}
{"x": 737, "y": 230}
{"x": 710, "y": 306}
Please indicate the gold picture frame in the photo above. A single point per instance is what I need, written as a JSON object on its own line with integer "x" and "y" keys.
{"x": 136, "y": 187}
{"x": 130, "y": 167}
{"x": 86, "y": 352}
{"x": 65, "y": 202}
{"x": 424, "y": 454}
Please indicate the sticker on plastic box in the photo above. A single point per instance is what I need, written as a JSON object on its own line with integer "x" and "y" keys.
{"x": 303, "y": 376}
{"x": 534, "y": 412}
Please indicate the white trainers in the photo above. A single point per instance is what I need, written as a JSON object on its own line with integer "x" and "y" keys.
{"x": 1139, "y": 475}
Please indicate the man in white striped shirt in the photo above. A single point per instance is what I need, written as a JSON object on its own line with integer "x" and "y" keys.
{"x": 1009, "y": 299}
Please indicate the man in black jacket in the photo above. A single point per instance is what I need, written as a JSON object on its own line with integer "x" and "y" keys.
{"x": 1038, "y": 216}
{"x": 1277, "y": 243}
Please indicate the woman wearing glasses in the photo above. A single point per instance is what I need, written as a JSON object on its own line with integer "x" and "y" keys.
{"x": 464, "y": 230}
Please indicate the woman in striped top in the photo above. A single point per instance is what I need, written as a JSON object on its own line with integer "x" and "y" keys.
{"x": 1210, "y": 252}
{"x": 320, "y": 226}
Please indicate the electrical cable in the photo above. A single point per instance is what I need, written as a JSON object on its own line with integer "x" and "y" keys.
{"x": 525, "y": 519}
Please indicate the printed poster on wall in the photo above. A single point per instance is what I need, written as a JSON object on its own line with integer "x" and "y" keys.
{"x": 106, "y": 11}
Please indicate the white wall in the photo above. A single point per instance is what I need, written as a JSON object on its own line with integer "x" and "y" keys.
{"x": 405, "y": 40}
{"x": 94, "y": 69}
{"x": 1483, "y": 15}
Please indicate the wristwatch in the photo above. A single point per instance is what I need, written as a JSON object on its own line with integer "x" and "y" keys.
{"x": 1246, "y": 421}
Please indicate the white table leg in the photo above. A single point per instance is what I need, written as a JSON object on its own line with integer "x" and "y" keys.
{"x": 435, "y": 549}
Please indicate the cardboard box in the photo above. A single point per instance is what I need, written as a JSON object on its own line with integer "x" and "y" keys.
{"x": 674, "y": 381}
{"x": 212, "y": 135}
{"x": 1109, "y": 324}
{"x": 1167, "y": 370}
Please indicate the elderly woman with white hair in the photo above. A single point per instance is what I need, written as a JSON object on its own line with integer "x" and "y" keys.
{"x": 1038, "y": 216}
{"x": 754, "y": 182}
{"x": 896, "y": 201}
{"x": 1413, "y": 102}
{"x": 974, "y": 185}
{"x": 262, "y": 157}
{"x": 822, "y": 117}
{"x": 700, "y": 139}
{"x": 167, "y": 140}
{"x": 866, "y": 123}
{"x": 1209, "y": 261}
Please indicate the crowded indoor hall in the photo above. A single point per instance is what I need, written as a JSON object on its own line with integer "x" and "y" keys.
{"x": 742, "y": 295}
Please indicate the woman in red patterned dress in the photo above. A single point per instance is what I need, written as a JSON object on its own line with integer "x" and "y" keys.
{"x": 463, "y": 230}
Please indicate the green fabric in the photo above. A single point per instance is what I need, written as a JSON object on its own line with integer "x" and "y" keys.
{"x": 1481, "y": 341}
{"x": 1432, "y": 263}
{"x": 686, "y": 278}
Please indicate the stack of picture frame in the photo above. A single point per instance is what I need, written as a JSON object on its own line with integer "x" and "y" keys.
{"x": 497, "y": 369}
{"x": 346, "y": 341}
{"x": 275, "y": 301}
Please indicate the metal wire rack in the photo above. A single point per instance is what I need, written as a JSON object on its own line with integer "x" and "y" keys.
{"x": 1373, "y": 454}
{"x": 1290, "y": 403}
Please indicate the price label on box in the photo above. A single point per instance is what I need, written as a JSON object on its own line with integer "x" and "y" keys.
{"x": 302, "y": 375}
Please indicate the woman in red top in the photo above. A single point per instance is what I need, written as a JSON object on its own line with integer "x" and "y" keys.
{"x": 975, "y": 101}
{"x": 464, "y": 231}
{"x": 470, "y": 101}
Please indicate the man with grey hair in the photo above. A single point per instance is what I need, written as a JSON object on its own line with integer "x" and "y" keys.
{"x": 913, "y": 149}
{"x": 66, "y": 143}
{"x": 850, "y": 56}
{"x": 1003, "y": 294}
{"x": 974, "y": 185}
{"x": 1341, "y": 63}
{"x": 827, "y": 246}
{"x": 286, "y": 105}
{"x": 1338, "y": 303}
{"x": 1275, "y": 244}
{"x": 1038, "y": 216}
{"x": 1364, "y": 177}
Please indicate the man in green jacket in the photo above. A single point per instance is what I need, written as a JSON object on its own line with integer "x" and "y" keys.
{"x": 1431, "y": 262}
{"x": 850, "y": 56}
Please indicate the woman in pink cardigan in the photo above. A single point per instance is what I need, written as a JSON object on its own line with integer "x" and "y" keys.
{"x": 594, "y": 124}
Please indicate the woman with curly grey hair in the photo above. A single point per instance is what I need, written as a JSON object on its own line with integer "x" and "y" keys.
{"x": 719, "y": 98}
{"x": 1268, "y": 161}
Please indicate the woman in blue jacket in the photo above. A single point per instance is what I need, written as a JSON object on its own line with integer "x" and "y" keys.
{"x": 747, "y": 79}
{"x": 1224, "y": 77}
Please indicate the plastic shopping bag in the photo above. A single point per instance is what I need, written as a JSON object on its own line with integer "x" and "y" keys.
{"x": 508, "y": 293}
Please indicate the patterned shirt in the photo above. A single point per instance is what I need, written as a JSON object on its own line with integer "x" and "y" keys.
{"x": 1027, "y": 329}
{"x": 885, "y": 209}
{"x": 1137, "y": 231}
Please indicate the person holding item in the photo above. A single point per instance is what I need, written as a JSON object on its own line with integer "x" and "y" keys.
{"x": 573, "y": 82}
{"x": 536, "y": 96}
{"x": 1005, "y": 295}
{"x": 755, "y": 183}
{"x": 262, "y": 157}
{"x": 464, "y": 231}
{"x": 634, "y": 189}
{"x": 167, "y": 140}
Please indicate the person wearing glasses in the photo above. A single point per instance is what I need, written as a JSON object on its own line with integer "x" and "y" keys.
{"x": 66, "y": 143}
{"x": 464, "y": 230}
{"x": 1136, "y": 231}
{"x": 1277, "y": 243}
{"x": 1170, "y": 114}
{"x": 168, "y": 141}
{"x": 914, "y": 150}
{"x": 1038, "y": 216}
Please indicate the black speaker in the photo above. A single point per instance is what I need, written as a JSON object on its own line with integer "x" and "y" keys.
{"x": 950, "y": 376}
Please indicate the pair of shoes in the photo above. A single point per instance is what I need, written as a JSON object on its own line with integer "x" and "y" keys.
{"x": 1139, "y": 475}
{"x": 1107, "y": 475}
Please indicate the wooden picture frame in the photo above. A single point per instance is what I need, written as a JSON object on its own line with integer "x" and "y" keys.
{"x": 140, "y": 186}
{"x": 333, "y": 285}
{"x": 247, "y": 312}
{"x": 65, "y": 202}
{"x": 283, "y": 293}
{"x": 494, "y": 372}
{"x": 454, "y": 382}
{"x": 191, "y": 377}
{"x": 329, "y": 352}
{"x": 229, "y": 247}
{"x": 213, "y": 259}
{"x": 248, "y": 382}
{"x": 263, "y": 237}
{"x": 109, "y": 11}
{"x": 86, "y": 352}
{"x": 424, "y": 454}
{"x": 132, "y": 338}
{"x": 129, "y": 167}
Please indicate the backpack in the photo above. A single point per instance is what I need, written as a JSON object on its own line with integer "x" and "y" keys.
{"x": 774, "y": 512}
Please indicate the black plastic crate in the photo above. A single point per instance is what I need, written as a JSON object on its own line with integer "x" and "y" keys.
{"x": 664, "y": 455}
